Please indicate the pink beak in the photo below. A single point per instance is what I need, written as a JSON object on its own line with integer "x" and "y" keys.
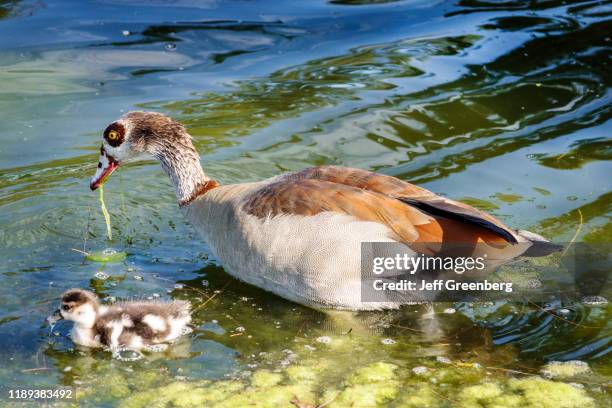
{"x": 106, "y": 165}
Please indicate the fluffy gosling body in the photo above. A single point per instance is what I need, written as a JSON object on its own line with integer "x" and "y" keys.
{"x": 134, "y": 325}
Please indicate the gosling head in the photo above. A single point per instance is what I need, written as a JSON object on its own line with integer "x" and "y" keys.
{"x": 138, "y": 134}
{"x": 80, "y": 306}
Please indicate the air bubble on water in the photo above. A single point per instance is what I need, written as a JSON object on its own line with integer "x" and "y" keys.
{"x": 171, "y": 46}
{"x": 67, "y": 369}
{"x": 533, "y": 284}
{"x": 156, "y": 295}
{"x": 101, "y": 275}
{"x": 138, "y": 277}
{"x": 126, "y": 33}
{"x": 420, "y": 370}
{"x": 387, "y": 342}
{"x": 240, "y": 329}
{"x": 323, "y": 339}
{"x": 450, "y": 310}
{"x": 564, "y": 311}
{"x": 156, "y": 348}
{"x": 443, "y": 360}
{"x": 179, "y": 286}
{"x": 127, "y": 355}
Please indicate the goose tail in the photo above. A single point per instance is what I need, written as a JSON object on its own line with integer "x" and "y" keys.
{"x": 540, "y": 246}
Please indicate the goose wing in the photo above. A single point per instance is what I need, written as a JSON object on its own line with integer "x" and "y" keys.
{"x": 412, "y": 213}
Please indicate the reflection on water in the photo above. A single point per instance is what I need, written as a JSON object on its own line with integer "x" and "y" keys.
{"x": 502, "y": 104}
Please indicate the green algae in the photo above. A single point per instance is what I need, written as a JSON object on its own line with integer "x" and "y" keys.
{"x": 109, "y": 231}
{"x": 263, "y": 391}
{"x": 485, "y": 122}
{"x": 106, "y": 256}
{"x": 334, "y": 378}
{"x": 375, "y": 372}
{"x": 533, "y": 392}
{"x": 372, "y": 385}
{"x": 297, "y": 374}
{"x": 565, "y": 369}
{"x": 265, "y": 378}
{"x": 363, "y": 395}
{"x": 543, "y": 393}
{"x": 420, "y": 396}
{"x": 375, "y": 384}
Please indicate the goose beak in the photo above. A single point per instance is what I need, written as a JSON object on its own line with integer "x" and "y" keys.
{"x": 106, "y": 165}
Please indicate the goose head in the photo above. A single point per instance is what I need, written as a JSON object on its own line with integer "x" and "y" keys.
{"x": 80, "y": 306}
{"x": 135, "y": 135}
{"x": 150, "y": 134}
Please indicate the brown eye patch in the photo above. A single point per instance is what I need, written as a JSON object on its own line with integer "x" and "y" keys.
{"x": 114, "y": 134}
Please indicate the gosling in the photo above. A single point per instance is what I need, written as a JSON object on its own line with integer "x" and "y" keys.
{"x": 135, "y": 325}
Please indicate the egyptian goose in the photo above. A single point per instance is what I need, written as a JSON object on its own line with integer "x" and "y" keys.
{"x": 134, "y": 325}
{"x": 299, "y": 234}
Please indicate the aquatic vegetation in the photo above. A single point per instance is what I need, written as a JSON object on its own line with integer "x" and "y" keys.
{"x": 109, "y": 231}
{"x": 376, "y": 384}
{"x": 524, "y": 393}
{"x": 504, "y": 104}
{"x": 106, "y": 255}
{"x": 565, "y": 369}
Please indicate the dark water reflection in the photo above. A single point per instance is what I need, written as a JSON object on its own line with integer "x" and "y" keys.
{"x": 503, "y": 104}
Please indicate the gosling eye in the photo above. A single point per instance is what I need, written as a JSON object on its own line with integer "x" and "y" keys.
{"x": 65, "y": 308}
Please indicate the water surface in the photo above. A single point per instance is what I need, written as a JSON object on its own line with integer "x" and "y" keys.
{"x": 502, "y": 104}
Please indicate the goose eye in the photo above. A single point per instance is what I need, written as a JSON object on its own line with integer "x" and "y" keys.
{"x": 65, "y": 307}
{"x": 113, "y": 135}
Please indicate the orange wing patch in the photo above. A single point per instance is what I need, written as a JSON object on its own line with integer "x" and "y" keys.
{"x": 414, "y": 214}
{"x": 310, "y": 197}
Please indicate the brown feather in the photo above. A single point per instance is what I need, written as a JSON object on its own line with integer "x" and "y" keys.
{"x": 414, "y": 214}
